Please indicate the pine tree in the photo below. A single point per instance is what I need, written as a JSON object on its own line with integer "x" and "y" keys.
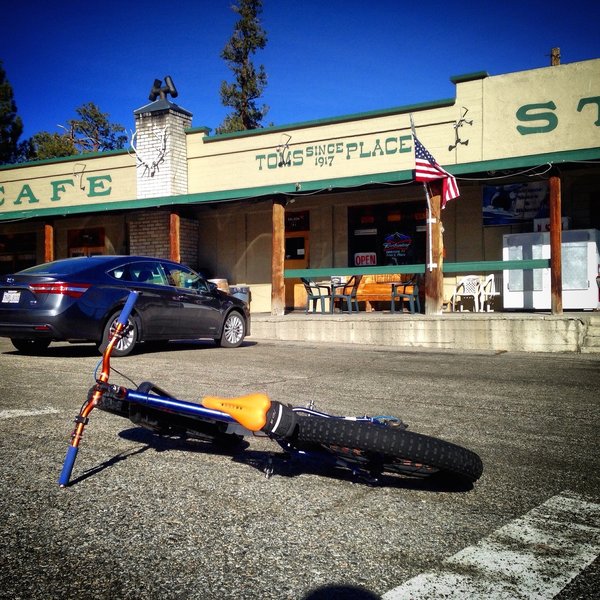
{"x": 241, "y": 95}
{"x": 91, "y": 132}
{"x": 11, "y": 125}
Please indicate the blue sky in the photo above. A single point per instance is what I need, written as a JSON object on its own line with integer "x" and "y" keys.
{"x": 324, "y": 58}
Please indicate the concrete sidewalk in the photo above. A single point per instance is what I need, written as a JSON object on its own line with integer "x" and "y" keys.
{"x": 514, "y": 332}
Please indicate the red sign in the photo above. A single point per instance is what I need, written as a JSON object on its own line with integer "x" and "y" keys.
{"x": 365, "y": 259}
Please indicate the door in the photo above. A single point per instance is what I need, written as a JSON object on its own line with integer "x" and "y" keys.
{"x": 200, "y": 307}
{"x": 296, "y": 257}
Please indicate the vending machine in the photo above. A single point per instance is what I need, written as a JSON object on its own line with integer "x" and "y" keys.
{"x": 529, "y": 289}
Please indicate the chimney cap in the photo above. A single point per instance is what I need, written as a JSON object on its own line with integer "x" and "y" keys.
{"x": 161, "y": 105}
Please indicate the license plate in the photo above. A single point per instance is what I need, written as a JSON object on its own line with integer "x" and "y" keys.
{"x": 11, "y": 297}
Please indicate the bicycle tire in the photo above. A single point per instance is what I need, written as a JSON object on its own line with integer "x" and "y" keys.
{"x": 391, "y": 448}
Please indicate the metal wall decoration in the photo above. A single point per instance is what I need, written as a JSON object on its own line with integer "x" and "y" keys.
{"x": 457, "y": 126}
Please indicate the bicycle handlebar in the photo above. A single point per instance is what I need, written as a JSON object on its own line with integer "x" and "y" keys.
{"x": 126, "y": 311}
{"x": 82, "y": 418}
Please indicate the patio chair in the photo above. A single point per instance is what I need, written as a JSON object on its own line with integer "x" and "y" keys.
{"x": 406, "y": 291}
{"x": 488, "y": 293}
{"x": 315, "y": 293}
{"x": 468, "y": 287}
{"x": 346, "y": 293}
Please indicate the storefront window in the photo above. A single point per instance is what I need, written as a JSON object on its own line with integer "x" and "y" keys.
{"x": 86, "y": 242}
{"x": 387, "y": 234}
{"x": 17, "y": 252}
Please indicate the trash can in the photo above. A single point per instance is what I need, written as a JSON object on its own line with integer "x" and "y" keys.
{"x": 240, "y": 291}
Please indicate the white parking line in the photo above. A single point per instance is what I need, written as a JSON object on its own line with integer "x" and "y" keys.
{"x": 534, "y": 556}
{"x": 16, "y": 412}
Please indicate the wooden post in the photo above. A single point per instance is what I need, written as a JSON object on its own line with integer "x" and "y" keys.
{"x": 48, "y": 242}
{"x": 174, "y": 237}
{"x": 555, "y": 245}
{"x": 434, "y": 278}
{"x": 278, "y": 258}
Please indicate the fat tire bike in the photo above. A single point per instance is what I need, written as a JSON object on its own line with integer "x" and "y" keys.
{"x": 366, "y": 446}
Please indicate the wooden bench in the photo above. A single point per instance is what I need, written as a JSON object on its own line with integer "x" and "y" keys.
{"x": 378, "y": 288}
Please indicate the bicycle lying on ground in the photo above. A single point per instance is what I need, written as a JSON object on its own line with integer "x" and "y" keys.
{"x": 366, "y": 446}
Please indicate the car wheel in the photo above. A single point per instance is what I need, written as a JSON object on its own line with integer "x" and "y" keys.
{"x": 127, "y": 343}
{"x": 29, "y": 346}
{"x": 234, "y": 331}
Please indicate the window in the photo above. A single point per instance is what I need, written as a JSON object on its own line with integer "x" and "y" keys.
{"x": 140, "y": 272}
{"x": 86, "y": 242}
{"x": 387, "y": 234}
{"x": 182, "y": 277}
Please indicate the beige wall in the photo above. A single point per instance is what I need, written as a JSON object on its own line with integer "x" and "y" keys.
{"x": 556, "y": 97}
{"x": 504, "y": 115}
{"x": 63, "y": 184}
{"x": 519, "y": 114}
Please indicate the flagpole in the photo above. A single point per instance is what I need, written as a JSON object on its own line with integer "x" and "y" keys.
{"x": 429, "y": 220}
{"x": 434, "y": 277}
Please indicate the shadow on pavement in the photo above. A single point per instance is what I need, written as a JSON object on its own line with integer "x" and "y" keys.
{"x": 276, "y": 463}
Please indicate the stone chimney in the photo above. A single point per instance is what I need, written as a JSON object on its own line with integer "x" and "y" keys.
{"x": 160, "y": 147}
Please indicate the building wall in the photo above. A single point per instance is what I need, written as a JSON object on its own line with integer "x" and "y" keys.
{"x": 86, "y": 183}
{"x": 519, "y": 120}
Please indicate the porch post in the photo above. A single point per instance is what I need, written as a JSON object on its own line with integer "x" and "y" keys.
{"x": 174, "y": 237}
{"x": 278, "y": 258}
{"x": 48, "y": 242}
{"x": 434, "y": 274}
{"x": 555, "y": 245}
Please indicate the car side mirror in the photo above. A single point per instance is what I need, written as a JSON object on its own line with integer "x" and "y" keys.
{"x": 212, "y": 286}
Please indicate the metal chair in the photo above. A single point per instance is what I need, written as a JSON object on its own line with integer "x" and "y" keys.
{"x": 346, "y": 293}
{"x": 406, "y": 290}
{"x": 488, "y": 293}
{"x": 468, "y": 287}
{"x": 314, "y": 294}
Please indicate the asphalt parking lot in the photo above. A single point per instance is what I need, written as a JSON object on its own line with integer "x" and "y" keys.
{"x": 158, "y": 519}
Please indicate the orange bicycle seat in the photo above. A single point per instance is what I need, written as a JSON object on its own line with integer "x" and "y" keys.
{"x": 249, "y": 411}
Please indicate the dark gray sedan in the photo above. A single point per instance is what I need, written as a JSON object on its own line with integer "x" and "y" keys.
{"x": 79, "y": 299}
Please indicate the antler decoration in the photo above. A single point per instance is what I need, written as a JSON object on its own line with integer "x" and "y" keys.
{"x": 458, "y": 124}
{"x": 151, "y": 165}
{"x": 284, "y": 146}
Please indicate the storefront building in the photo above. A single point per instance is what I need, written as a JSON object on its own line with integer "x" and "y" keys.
{"x": 345, "y": 185}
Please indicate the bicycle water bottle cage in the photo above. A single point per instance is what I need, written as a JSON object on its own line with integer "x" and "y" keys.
{"x": 249, "y": 411}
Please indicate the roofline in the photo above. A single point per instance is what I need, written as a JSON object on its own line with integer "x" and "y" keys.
{"x": 289, "y": 189}
{"x": 59, "y": 159}
{"x": 328, "y": 121}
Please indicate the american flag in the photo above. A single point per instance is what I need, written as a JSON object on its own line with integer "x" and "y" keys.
{"x": 427, "y": 169}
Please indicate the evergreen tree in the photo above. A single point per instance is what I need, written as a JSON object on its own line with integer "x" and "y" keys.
{"x": 45, "y": 145}
{"x": 241, "y": 95}
{"x": 91, "y": 132}
{"x": 11, "y": 125}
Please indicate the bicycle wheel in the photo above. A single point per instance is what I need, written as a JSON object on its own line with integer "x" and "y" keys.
{"x": 385, "y": 448}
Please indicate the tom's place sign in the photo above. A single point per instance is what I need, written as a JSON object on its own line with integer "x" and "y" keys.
{"x": 328, "y": 154}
